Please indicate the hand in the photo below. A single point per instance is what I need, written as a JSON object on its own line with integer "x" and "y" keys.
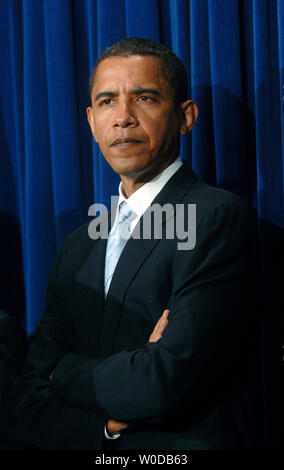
{"x": 113, "y": 427}
{"x": 159, "y": 328}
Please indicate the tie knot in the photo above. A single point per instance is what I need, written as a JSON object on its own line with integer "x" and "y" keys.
{"x": 125, "y": 212}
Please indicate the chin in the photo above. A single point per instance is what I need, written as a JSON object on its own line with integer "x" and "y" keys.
{"x": 126, "y": 167}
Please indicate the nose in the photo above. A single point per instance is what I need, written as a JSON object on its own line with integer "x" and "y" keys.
{"x": 125, "y": 116}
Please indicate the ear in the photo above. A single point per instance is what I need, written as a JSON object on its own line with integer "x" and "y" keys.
{"x": 90, "y": 117}
{"x": 189, "y": 113}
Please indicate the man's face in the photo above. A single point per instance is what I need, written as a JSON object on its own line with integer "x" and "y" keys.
{"x": 133, "y": 116}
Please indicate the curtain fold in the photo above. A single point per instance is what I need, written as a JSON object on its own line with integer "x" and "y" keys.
{"x": 51, "y": 170}
{"x": 40, "y": 226}
{"x": 267, "y": 110}
{"x": 226, "y": 87}
{"x": 63, "y": 116}
{"x": 203, "y": 149}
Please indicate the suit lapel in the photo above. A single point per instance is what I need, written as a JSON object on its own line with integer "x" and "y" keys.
{"x": 134, "y": 255}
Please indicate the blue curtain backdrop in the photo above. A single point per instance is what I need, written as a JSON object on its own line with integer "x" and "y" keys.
{"x": 51, "y": 171}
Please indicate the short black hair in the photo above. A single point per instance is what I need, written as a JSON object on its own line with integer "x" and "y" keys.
{"x": 173, "y": 68}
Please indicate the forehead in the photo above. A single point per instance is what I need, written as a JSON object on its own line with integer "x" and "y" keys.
{"x": 134, "y": 71}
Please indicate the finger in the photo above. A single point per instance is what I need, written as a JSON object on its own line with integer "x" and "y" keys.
{"x": 163, "y": 318}
{"x": 159, "y": 327}
{"x": 122, "y": 426}
{"x": 161, "y": 324}
{"x": 114, "y": 426}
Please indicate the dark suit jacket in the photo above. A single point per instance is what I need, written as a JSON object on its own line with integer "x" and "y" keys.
{"x": 190, "y": 390}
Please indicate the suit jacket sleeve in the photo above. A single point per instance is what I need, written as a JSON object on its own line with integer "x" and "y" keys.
{"x": 208, "y": 327}
{"x": 47, "y": 420}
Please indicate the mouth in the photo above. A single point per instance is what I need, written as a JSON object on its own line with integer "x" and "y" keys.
{"x": 124, "y": 142}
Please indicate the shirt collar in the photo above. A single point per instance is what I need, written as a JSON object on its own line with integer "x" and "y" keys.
{"x": 144, "y": 196}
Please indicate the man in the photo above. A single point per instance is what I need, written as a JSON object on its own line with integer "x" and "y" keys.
{"x": 145, "y": 349}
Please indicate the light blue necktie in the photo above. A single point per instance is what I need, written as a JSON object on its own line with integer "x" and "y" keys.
{"x": 117, "y": 239}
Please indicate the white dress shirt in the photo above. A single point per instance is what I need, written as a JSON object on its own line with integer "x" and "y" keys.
{"x": 139, "y": 201}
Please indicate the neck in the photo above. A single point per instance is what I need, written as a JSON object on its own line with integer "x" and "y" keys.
{"x": 129, "y": 186}
{"x": 131, "y": 182}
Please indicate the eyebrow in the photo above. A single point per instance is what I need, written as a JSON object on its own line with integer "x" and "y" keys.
{"x": 140, "y": 91}
{"x": 135, "y": 91}
{"x": 104, "y": 94}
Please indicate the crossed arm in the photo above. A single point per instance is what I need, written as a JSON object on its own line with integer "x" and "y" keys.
{"x": 205, "y": 320}
{"x": 47, "y": 419}
{"x": 205, "y": 332}
{"x": 114, "y": 426}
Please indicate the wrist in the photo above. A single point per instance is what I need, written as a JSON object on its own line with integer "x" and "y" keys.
{"x": 109, "y": 435}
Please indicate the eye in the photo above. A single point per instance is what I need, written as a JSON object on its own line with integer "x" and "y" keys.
{"x": 144, "y": 98}
{"x": 105, "y": 102}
